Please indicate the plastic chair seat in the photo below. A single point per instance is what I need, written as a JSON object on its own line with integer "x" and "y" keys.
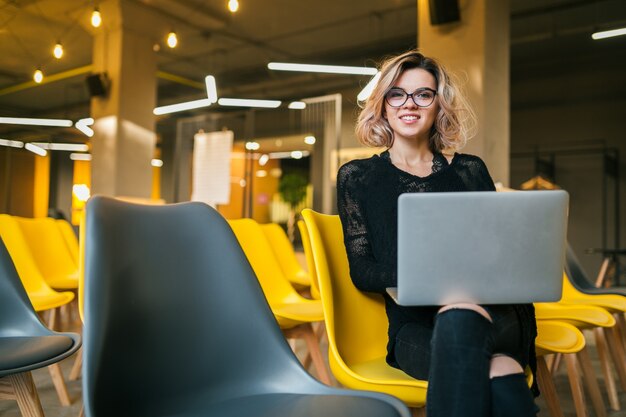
{"x": 289, "y": 315}
{"x": 44, "y": 300}
{"x": 579, "y": 316}
{"x": 558, "y": 338}
{"x": 63, "y": 282}
{"x": 16, "y": 353}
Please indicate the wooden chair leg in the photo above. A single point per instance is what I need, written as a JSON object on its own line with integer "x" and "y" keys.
{"x": 575, "y": 385}
{"x": 77, "y": 366}
{"x": 548, "y": 390}
{"x": 621, "y": 324}
{"x": 59, "y": 384}
{"x": 82, "y": 411}
{"x": 418, "y": 412}
{"x": 607, "y": 369}
{"x": 554, "y": 366}
{"x": 316, "y": 354}
{"x": 591, "y": 382}
{"x": 617, "y": 353}
{"x": 51, "y": 322}
{"x": 25, "y": 393}
{"x": 602, "y": 273}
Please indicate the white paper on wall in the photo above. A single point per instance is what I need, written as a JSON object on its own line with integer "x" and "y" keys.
{"x": 211, "y": 167}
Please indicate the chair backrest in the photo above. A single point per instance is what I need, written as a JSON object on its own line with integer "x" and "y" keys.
{"x": 356, "y": 322}
{"x": 17, "y": 316}
{"x": 575, "y": 271}
{"x": 48, "y": 246}
{"x": 257, "y": 248}
{"x": 172, "y": 306}
{"x": 70, "y": 238}
{"x": 22, "y": 257}
{"x": 310, "y": 262}
{"x": 283, "y": 250}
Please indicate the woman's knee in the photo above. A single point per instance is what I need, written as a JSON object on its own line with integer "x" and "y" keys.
{"x": 502, "y": 365}
{"x": 466, "y": 306}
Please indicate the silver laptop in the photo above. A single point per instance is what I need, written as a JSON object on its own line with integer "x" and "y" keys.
{"x": 480, "y": 247}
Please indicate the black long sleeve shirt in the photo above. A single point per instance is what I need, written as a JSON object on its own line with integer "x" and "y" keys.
{"x": 367, "y": 199}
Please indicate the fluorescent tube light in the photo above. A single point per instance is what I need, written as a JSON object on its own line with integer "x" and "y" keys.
{"x": 330, "y": 69}
{"x": 187, "y": 105}
{"x": 297, "y": 105}
{"x": 283, "y": 155}
{"x": 83, "y": 126}
{"x": 211, "y": 88}
{"x": 367, "y": 90}
{"x": 245, "y": 102}
{"x": 80, "y": 156}
{"x": 608, "y": 34}
{"x": 71, "y": 147}
{"x": 11, "y": 143}
{"x": 36, "y": 149}
{"x": 157, "y": 163}
{"x": 36, "y": 122}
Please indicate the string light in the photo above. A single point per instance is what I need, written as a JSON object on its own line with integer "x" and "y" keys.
{"x": 58, "y": 50}
{"x": 172, "y": 39}
{"x": 233, "y": 5}
{"x": 96, "y": 19}
{"x": 38, "y": 76}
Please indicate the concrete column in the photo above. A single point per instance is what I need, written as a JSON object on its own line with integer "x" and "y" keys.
{"x": 477, "y": 50}
{"x": 124, "y": 129}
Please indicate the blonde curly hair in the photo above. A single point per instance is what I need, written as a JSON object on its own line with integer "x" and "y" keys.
{"x": 454, "y": 125}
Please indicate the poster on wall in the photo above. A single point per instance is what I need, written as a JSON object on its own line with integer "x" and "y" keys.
{"x": 211, "y": 167}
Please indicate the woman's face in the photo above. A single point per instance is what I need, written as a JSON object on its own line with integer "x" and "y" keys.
{"x": 409, "y": 121}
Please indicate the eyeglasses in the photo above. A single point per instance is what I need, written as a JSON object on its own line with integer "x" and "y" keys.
{"x": 422, "y": 97}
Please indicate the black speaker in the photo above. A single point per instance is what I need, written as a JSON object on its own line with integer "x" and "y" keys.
{"x": 97, "y": 84}
{"x": 444, "y": 11}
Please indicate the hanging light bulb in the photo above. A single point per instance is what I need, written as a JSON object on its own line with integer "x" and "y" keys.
{"x": 96, "y": 19}
{"x": 38, "y": 76}
{"x": 172, "y": 39}
{"x": 58, "y": 50}
{"x": 233, "y": 5}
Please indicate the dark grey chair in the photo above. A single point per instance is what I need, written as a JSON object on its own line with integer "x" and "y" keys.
{"x": 578, "y": 277}
{"x": 25, "y": 342}
{"x": 176, "y": 324}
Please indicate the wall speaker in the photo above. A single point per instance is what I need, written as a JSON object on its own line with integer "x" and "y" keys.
{"x": 444, "y": 11}
{"x": 97, "y": 84}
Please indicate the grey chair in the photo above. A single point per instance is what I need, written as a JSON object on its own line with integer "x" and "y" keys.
{"x": 25, "y": 342}
{"x": 578, "y": 277}
{"x": 176, "y": 324}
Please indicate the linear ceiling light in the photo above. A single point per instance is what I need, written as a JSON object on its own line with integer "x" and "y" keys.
{"x": 608, "y": 34}
{"x": 297, "y": 105}
{"x": 367, "y": 90}
{"x": 80, "y": 156}
{"x": 11, "y": 143}
{"x": 187, "y": 105}
{"x": 83, "y": 126}
{"x": 71, "y": 147}
{"x": 331, "y": 69}
{"x": 35, "y": 122}
{"x": 211, "y": 88}
{"x": 36, "y": 149}
{"x": 244, "y": 102}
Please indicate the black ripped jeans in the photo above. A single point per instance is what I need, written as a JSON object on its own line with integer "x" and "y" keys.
{"x": 455, "y": 355}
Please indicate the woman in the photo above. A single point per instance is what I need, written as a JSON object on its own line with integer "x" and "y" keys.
{"x": 473, "y": 356}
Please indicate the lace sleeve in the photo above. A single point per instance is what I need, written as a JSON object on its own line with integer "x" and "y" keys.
{"x": 475, "y": 174}
{"x": 367, "y": 274}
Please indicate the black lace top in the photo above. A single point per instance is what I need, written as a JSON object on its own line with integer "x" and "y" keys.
{"x": 367, "y": 199}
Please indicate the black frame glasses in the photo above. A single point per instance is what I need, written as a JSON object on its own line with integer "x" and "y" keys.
{"x": 420, "y": 101}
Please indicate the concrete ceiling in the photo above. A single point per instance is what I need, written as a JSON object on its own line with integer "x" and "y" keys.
{"x": 545, "y": 35}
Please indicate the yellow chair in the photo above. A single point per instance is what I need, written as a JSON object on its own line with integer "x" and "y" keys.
{"x": 614, "y": 304}
{"x": 356, "y": 322}
{"x": 39, "y": 292}
{"x": 70, "y": 238}
{"x": 310, "y": 262}
{"x": 285, "y": 255}
{"x": 559, "y": 337}
{"x": 586, "y": 317}
{"x": 50, "y": 251}
{"x": 294, "y": 313}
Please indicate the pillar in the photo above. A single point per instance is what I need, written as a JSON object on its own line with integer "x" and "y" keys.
{"x": 124, "y": 129}
{"x": 476, "y": 49}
